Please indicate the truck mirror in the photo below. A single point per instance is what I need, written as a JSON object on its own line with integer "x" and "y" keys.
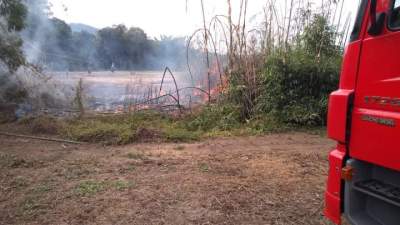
{"x": 377, "y": 21}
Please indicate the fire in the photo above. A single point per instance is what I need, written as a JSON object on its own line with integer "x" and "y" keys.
{"x": 218, "y": 83}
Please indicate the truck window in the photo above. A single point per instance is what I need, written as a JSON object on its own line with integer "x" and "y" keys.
{"x": 359, "y": 20}
{"x": 394, "y": 21}
{"x": 397, "y": 4}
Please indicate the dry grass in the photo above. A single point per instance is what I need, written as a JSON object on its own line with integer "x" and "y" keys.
{"x": 275, "y": 179}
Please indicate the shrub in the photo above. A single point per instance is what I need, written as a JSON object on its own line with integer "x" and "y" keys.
{"x": 222, "y": 117}
{"x": 43, "y": 125}
{"x": 97, "y": 130}
{"x": 296, "y": 84}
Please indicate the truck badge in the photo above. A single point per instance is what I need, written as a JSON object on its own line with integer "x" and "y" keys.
{"x": 379, "y": 120}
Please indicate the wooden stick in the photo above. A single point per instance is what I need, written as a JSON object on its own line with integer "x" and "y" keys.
{"x": 41, "y": 138}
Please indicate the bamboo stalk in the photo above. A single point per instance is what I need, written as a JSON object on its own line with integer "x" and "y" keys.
{"x": 340, "y": 17}
{"x": 289, "y": 23}
{"x": 206, "y": 50}
{"x": 230, "y": 51}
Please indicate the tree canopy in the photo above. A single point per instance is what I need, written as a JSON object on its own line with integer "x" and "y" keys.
{"x": 12, "y": 20}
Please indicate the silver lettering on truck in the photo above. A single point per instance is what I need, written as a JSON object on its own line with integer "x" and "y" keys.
{"x": 384, "y": 101}
{"x": 379, "y": 120}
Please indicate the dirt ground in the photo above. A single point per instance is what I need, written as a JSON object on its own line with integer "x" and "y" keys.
{"x": 273, "y": 179}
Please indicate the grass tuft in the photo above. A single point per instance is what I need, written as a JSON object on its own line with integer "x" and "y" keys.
{"x": 90, "y": 188}
{"x": 136, "y": 156}
{"x": 179, "y": 148}
{"x": 122, "y": 185}
{"x": 204, "y": 167}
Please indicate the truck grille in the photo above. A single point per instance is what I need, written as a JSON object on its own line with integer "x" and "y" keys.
{"x": 380, "y": 189}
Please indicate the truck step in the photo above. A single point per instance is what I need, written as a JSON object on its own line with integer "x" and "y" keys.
{"x": 379, "y": 189}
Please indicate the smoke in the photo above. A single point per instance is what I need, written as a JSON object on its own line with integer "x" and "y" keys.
{"x": 46, "y": 39}
{"x": 52, "y": 50}
{"x": 37, "y": 27}
{"x": 28, "y": 85}
{"x": 167, "y": 51}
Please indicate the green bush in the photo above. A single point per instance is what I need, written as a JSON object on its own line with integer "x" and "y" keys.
{"x": 125, "y": 129}
{"x": 296, "y": 91}
{"x": 296, "y": 84}
{"x": 98, "y": 131}
{"x": 216, "y": 117}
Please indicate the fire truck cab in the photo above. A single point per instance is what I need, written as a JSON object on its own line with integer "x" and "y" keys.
{"x": 364, "y": 118}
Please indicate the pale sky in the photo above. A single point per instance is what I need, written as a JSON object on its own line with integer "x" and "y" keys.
{"x": 156, "y": 17}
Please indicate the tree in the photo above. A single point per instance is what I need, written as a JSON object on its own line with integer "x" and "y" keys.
{"x": 57, "y": 45}
{"x": 83, "y": 51}
{"x": 319, "y": 37}
{"x": 12, "y": 17}
{"x": 135, "y": 40}
{"x": 167, "y": 51}
{"x": 122, "y": 47}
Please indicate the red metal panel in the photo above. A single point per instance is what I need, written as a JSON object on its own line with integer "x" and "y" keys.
{"x": 334, "y": 186}
{"x": 337, "y": 114}
{"x": 374, "y": 142}
{"x": 348, "y": 74}
{"x": 377, "y": 99}
{"x": 371, "y": 68}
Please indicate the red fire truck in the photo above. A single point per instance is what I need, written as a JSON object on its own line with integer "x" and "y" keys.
{"x": 364, "y": 119}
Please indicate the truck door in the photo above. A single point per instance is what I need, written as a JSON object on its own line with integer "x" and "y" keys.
{"x": 375, "y": 126}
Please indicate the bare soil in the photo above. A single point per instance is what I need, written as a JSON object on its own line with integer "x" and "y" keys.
{"x": 273, "y": 179}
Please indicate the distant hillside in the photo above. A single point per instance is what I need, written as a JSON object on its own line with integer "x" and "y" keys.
{"x": 78, "y": 27}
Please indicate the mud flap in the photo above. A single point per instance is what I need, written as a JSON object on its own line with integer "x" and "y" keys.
{"x": 333, "y": 200}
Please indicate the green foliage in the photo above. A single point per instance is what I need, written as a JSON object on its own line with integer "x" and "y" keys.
{"x": 83, "y": 49}
{"x": 98, "y": 131}
{"x": 213, "y": 120}
{"x": 319, "y": 38}
{"x": 11, "y": 54}
{"x": 79, "y": 98}
{"x": 296, "y": 85}
{"x": 181, "y": 135}
{"x": 14, "y": 12}
{"x": 216, "y": 117}
{"x": 241, "y": 93}
{"x": 12, "y": 17}
{"x": 123, "y": 47}
{"x": 149, "y": 126}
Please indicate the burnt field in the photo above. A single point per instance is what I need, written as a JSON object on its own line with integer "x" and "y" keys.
{"x": 273, "y": 179}
{"x": 106, "y": 91}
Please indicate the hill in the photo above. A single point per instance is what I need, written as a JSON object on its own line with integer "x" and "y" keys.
{"x": 78, "y": 27}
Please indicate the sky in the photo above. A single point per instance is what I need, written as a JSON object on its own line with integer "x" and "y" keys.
{"x": 156, "y": 17}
